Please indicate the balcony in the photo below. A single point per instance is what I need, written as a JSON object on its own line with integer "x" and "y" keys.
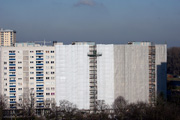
{"x": 39, "y": 106}
{"x": 12, "y": 80}
{"x": 12, "y": 53}
{"x": 12, "y": 69}
{"x": 39, "y": 101}
{"x": 40, "y": 96}
{"x": 13, "y": 107}
{"x": 40, "y": 80}
{"x": 39, "y": 53}
{"x": 12, "y": 101}
{"x": 39, "y": 74}
{"x": 12, "y": 64}
{"x": 39, "y": 64}
{"x": 12, "y": 96}
{"x": 13, "y": 91}
{"x": 39, "y": 58}
{"x": 12, "y": 75}
{"x": 12, "y": 86}
{"x": 12, "y": 59}
{"x": 39, "y": 69}
{"x": 39, "y": 90}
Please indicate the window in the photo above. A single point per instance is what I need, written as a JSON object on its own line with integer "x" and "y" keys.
{"x": 47, "y": 57}
{"x": 5, "y": 78}
{"x": 52, "y": 51}
{"x": 52, "y": 62}
{"x": 19, "y": 78}
{"x": 31, "y": 78}
{"x": 19, "y": 83}
{"x": 12, "y": 89}
{"x": 52, "y": 78}
{"x": 19, "y": 62}
{"x": 47, "y": 62}
{"x": 47, "y": 88}
{"x": 31, "y": 72}
{"x": 31, "y": 67}
{"x": 31, "y": 56}
{"x": 52, "y": 93}
{"x": 31, "y": 51}
{"x": 47, "y": 78}
{"x": 47, "y": 51}
{"x": 5, "y": 63}
{"x": 5, "y": 73}
{"x": 47, "y": 93}
{"x": 32, "y": 89}
{"x": 52, "y": 67}
{"x": 19, "y": 67}
{"x": 52, "y": 88}
{"x": 52, "y": 56}
{"x": 31, "y": 62}
{"x": 47, "y": 73}
{"x": 5, "y": 68}
{"x": 19, "y": 88}
{"x": 52, "y": 72}
{"x": 5, "y": 89}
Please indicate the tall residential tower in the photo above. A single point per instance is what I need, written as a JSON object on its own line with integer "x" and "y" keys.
{"x": 7, "y": 37}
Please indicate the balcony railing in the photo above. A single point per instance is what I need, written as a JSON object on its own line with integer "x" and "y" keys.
{"x": 12, "y": 59}
{"x": 12, "y": 75}
{"x": 12, "y": 80}
{"x": 12, "y": 64}
{"x": 40, "y": 80}
{"x": 39, "y": 69}
{"x": 39, "y": 90}
{"x": 12, "y": 91}
{"x": 40, "y": 96}
{"x": 12, "y": 53}
{"x": 12, "y": 101}
{"x": 39, "y": 74}
{"x": 12, "y": 96}
{"x": 12, "y": 86}
{"x": 39, "y": 64}
{"x": 39, "y": 53}
{"x": 39, "y": 58}
{"x": 39, "y": 101}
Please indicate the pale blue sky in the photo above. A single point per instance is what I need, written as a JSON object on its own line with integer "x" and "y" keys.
{"x": 102, "y": 21}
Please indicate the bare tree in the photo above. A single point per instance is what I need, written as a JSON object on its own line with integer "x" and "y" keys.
{"x": 2, "y": 106}
{"x": 67, "y": 109}
{"x": 119, "y": 107}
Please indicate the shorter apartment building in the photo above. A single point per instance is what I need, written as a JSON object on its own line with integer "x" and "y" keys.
{"x": 27, "y": 73}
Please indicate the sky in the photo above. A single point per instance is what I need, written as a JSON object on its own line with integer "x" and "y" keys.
{"x": 101, "y": 21}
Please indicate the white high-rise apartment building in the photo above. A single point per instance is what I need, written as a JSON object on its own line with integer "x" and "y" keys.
{"x": 7, "y": 37}
{"x": 87, "y": 73}
{"x": 83, "y": 73}
{"x": 27, "y": 71}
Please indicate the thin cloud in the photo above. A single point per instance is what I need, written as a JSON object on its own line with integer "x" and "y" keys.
{"x": 86, "y": 3}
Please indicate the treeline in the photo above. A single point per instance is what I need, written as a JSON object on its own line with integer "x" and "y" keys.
{"x": 120, "y": 110}
{"x": 173, "y": 61}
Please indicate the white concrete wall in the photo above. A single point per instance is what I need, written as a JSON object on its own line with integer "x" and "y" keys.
{"x": 161, "y": 69}
{"x": 105, "y": 74}
{"x": 72, "y": 74}
{"x": 131, "y": 72}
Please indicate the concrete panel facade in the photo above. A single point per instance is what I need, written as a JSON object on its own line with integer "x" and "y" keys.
{"x": 72, "y": 74}
{"x": 131, "y": 72}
